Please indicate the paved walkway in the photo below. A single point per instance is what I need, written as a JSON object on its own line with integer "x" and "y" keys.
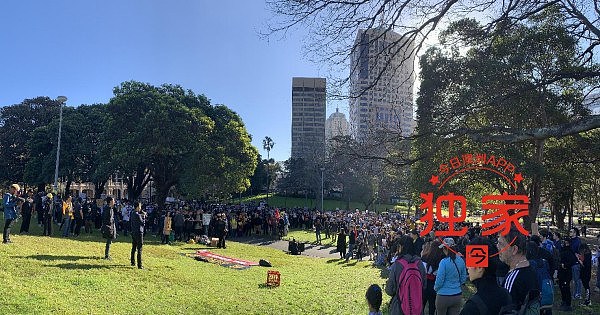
{"x": 325, "y": 251}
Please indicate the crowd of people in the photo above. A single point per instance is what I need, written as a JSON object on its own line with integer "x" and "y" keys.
{"x": 391, "y": 240}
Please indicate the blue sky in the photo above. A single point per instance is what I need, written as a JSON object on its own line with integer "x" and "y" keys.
{"x": 82, "y": 49}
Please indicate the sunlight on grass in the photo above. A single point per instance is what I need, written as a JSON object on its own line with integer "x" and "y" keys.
{"x": 44, "y": 275}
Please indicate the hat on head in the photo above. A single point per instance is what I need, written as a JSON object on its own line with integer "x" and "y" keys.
{"x": 16, "y": 187}
{"x": 49, "y": 195}
{"x": 448, "y": 241}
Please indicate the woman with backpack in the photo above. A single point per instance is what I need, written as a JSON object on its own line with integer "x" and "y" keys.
{"x": 406, "y": 281}
{"x": 451, "y": 275}
{"x": 490, "y": 298}
{"x": 431, "y": 255}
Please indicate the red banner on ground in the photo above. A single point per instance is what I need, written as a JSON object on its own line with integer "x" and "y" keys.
{"x": 210, "y": 255}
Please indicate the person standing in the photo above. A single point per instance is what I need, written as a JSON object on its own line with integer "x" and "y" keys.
{"x": 137, "y": 220}
{"x": 521, "y": 278}
{"x": 490, "y": 298}
{"x": 341, "y": 244}
{"x": 67, "y": 214}
{"x": 77, "y": 216}
{"x": 10, "y": 202}
{"x": 26, "y": 211}
{"x": 48, "y": 212}
{"x": 166, "y": 232}
{"x": 221, "y": 230}
{"x": 575, "y": 243}
{"x": 109, "y": 230}
{"x": 585, "y": 259}
{"x": 565, "y": 275}
{"x": 451, "y": 275}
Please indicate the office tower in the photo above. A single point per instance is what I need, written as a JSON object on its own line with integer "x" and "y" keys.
{"x": 308, "y": 117}
{"x": 381, "y": 84}
{"x": 336, "y": 125}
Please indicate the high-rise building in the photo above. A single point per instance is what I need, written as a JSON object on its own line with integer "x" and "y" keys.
{"x": 308, "y": 117}
{"x": 336, "y": 125}
{"x": 381, "y": 84}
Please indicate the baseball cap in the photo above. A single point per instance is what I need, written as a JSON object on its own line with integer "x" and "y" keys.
{"x": 448, "y": 241}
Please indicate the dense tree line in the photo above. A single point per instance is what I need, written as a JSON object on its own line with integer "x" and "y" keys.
{"x": 166, "y": 134}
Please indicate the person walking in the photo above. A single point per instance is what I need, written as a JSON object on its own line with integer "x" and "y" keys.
{"x": 137, "y": 220}
{"x": 11, "y": 202}
{"x": 109, "y": 230}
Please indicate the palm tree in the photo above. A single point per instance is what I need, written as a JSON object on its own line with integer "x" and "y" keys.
{"x": 268, "y": 145}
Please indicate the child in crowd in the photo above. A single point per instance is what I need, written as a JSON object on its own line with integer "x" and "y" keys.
{"x": 374, "y": 298}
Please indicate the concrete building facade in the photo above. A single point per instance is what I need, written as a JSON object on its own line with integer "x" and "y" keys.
{"x": 381, "y": 84}
{"x": 308, "y": 116}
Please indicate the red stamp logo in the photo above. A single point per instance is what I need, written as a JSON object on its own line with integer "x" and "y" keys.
{"x": 477, "y": 256}
{"x": 500, "y": 211}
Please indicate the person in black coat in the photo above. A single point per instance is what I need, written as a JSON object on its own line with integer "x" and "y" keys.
{"x": 490, "y": 297}
{"x": 109, "y": 230}
{"x": 341, "y": 244}
{"x": 137, "y": 221}
{"x": 565, "y": 275}
{"x": 221, "y": 230}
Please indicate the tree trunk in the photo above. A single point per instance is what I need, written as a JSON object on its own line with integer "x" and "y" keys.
{"x": 560, "y": 213}
{"x": 68, "y": 187}
{"x": 99, "y": 188}
{"x": 536, "y": 186}
{"x": 137, "y": 182}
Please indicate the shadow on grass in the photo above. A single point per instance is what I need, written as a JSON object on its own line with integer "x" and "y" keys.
{"x": 55, "y": 257}
{"x": 71, "y": 266}
{"x": 265, "y": 286}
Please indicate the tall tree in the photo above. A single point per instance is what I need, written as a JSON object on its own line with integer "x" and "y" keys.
{"x": 156, "y": 129}
{"x": 17, "y": 125}
{"x": 465, "y": 106}
{"x": 268, "y": 144}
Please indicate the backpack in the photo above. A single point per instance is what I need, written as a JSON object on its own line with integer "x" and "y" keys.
{"x": 546, "y": 290}
{"x": 531, "y": 306}
{"x": 410, "y": 287}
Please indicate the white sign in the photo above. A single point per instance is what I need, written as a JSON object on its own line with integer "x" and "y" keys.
{"x": 206, "y": 218}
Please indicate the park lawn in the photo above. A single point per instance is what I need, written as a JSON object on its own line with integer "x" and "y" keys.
{"x": 43, "y": 275}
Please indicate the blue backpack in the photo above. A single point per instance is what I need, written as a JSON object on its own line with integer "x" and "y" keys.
{"x": 540, "y": 266}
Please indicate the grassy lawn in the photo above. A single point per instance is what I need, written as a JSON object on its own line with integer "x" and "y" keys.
{"x": 42, "y": 275}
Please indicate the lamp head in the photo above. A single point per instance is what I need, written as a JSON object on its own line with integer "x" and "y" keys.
{"x": 61, "y": 99}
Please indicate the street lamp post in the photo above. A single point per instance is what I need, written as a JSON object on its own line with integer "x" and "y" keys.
{"x": 322, "y": 171}
{"x": 61, "y": 100}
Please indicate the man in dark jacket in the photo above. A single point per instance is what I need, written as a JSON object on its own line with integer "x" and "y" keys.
{"x": 221, "y": 230}
{"x": 137, "y": 220}
{"x": 109, "y": 230}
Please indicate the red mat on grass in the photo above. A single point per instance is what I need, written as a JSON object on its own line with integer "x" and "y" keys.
{"x": 229, "y": 260}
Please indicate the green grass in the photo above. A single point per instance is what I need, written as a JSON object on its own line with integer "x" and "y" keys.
{"x": 52, "y": 275}
{"x": 42, "y": 275}
{"x": 329, "y": 204}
